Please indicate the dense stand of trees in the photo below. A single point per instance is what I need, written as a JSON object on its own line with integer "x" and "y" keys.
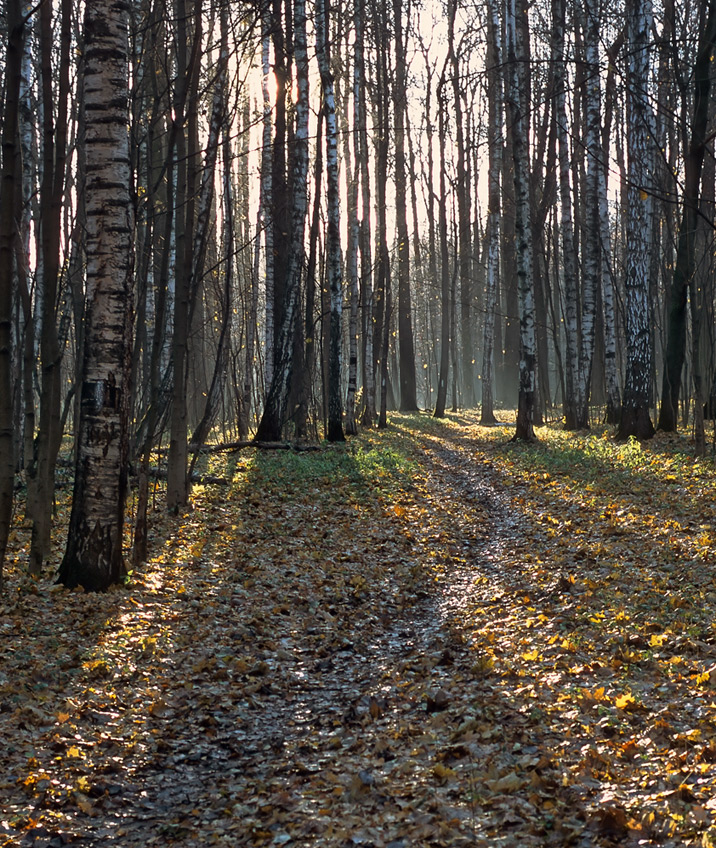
{"x": 281, "y": 218}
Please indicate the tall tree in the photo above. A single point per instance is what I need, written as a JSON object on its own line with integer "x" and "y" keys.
{"x": 445, "y": 288}
{"x": 406, "y": 344}
{"x": 9, "y": 190}
{"x": 275, "y": 411}
{"x": 569, "y": 254}
{"x": 516, "y": 85}
{"x": 333, "y": 236}
{"x": 41, "y": 475}
{"x": 685, "y": 266}
{"x": 495, "y": 143}
{"x": 93, "y": 557}
{"x": 462, "y": 189}
{"x": 635, "y": 419}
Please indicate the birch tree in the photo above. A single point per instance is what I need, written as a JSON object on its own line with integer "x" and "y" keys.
{"x": 495, "y": 143}
{"x": 516, "y": 85}
{"x": 333, "y": 237}
{"x": 635, "y": 419}
{"x": 566, "y": 228}
{"x": 591, "y": 240}
{"x": 93, "y": 557}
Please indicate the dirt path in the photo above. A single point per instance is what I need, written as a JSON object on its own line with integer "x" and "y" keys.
{"x": 309, "y": 661}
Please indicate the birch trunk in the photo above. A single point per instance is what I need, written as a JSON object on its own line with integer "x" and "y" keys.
{"x": 591, "y": 248}
{"x": 93, "y": 557}
{"x": 635, "y": 420}
{"x": 353, "y": 233}
{"x": 368, "y": 414}
{"x": 566, "y": 227}
{"x": 266, "y": 197}
{"x": 517, "y": 84}
{"x": 333, "y": 235}
{"x": 494, "y": 62}
{"x": 444, "y": 373}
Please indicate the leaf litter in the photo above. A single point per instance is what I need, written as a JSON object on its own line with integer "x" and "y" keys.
{"x": 427, "y": 637}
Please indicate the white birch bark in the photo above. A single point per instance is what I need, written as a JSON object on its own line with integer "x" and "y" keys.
{"x": 333, "y": 235}
{"x": 487, "y": 415}
{"x": 93, "y": 557}
{"x": 353, "y": 239}
{"x": 608, "y": 305}
{"x": 369, "y": 412}
{"x": 266, "y": 196}
{"x": 516, "y": 85}
{"x": 566, "y": 225}
{"x": 635, "y": 420}
{"x": 591, "y": 248}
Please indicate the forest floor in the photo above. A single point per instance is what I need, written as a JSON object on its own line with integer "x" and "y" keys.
{"x": 429, "y": 636}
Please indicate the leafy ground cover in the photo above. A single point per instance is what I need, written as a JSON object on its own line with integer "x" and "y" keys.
{"x": 429, "y": 636}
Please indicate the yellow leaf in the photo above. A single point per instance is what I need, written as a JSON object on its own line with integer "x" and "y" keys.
{"x": 530, "y": 655}
{"x": 624, "y": 702}
{"x": 74, "y": 752}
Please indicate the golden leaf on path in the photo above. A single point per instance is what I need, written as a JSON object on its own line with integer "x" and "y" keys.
{"x": 625, "y": 702}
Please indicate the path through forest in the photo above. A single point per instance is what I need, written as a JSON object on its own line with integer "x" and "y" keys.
{"x": 361, "y": 646}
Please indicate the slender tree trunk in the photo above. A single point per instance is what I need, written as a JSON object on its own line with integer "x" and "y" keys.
{"x": 494, "y": 61}
{"x": 462, "y": 190}
{"x": 444, "y": 265}
{"x": 218, "y": 124}
{"x": 368, "y": 415}
{"x": 685, "y": 267}
{"x": 635, "y": 420}
{"x": 93, "y": 557}
{"x": 591, "y": 246}
{"x": 516, "y": 84}
{"x": 333, "y": 236}
{"x": 184, "y": 105}
{"x": 266, "y": 196}
{"x": 9, "y": 189}
{"x": 569, "y": 256}
{"x": 406, "y": 344}
{"x": 275, "y": 412}
{"x": 42, "y": 473}
{"x": 353, "y": 233}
